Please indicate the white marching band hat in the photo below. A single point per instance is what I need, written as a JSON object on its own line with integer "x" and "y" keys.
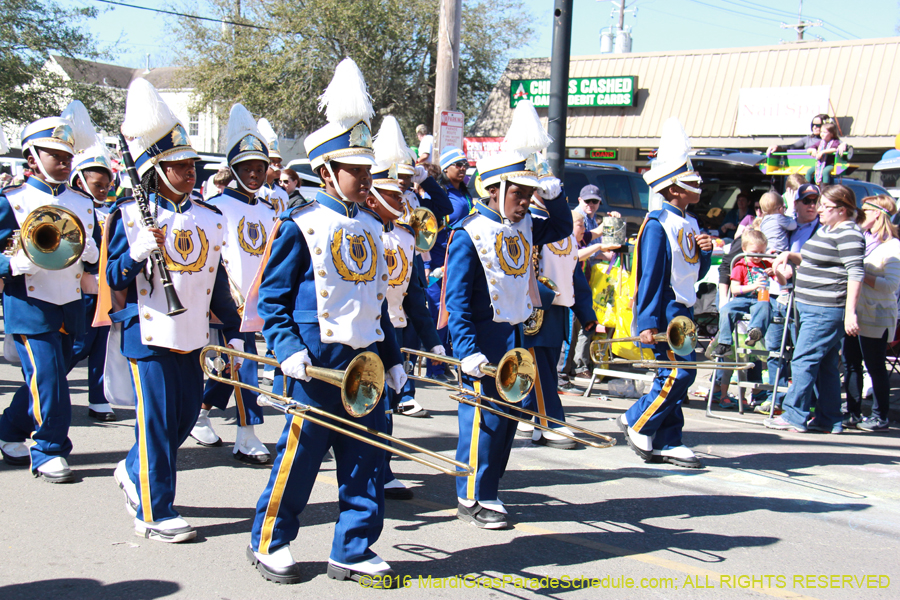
{"x": 245, "y": 141}
{"x": 54, "y": 133}
{"x": 153, "y": 131}
{"x": 90, "y": 149}
{"x": 347, "y": 138}
{"x": 391, "y": 152}
{"x": 672, "y": 165}
{"x": 271, "y": 138}
{"x": 516, "y": 164}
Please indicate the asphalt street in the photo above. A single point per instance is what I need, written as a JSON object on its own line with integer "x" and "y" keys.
{"x": 772, "y": 514}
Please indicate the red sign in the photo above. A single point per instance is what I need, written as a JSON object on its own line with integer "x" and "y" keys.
{"x": 477, "y": 148}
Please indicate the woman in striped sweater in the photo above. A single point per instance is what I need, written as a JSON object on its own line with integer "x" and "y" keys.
{"x": 877, "y": 311}
{"x": 828, "y": 284}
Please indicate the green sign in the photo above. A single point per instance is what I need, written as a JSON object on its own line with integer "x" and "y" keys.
{"x": 583, "y": 91}
{"x": 604, "y": 154}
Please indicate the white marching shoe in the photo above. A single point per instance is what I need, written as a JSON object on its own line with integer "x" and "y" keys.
{"x": 552, "y": 439}
{"x": 524, "y": 430}
{"x": 248, "y": 448}
{"x": 411, "y": 408}
{"x": 373, "y": 573}
{"x": 641, "y": 444}
{"x": 681, "y": 456}
{"x": 171, "y": 531}
{"x": 15, "y": 454}
{"x": 203, "y": 431}
{"x": 55, "y": 470}
{"x": 278, "y": 567}
{"x": 127, "y": 486}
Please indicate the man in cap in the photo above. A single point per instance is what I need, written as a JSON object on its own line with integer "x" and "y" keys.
{"x": 671, "y": 256}
{"x": 322, "y": 303}
{"x": 42, "y": 308}
{"x": 162, "y": 346}
{"x": 248, "y": 224}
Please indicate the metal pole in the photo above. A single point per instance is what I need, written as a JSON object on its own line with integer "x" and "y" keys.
{"x": 559, "y": 85}
{"x": 447, "y": 71}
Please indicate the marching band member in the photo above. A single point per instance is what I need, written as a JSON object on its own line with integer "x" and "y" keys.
{"x": 557, "y": 262}
{"x": 322, "y": 300}
{"x": 405, "y": 296}
{"x": 274, "y": 194}
{"x": 437, "y": 201}
{"x": 670, "y": 257}
{"x": 163, "y": 351}
{"x": 43, "y": 309}
{"x": 248, "y": 223}
{"x": 488, "y": 295}
{"x": 93, "y": 174}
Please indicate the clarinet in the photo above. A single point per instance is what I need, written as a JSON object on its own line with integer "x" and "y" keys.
{"x": 174, "y": 304}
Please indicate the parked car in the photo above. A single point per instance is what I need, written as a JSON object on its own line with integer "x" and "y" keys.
{"x": 310, "y": 183}
{"x": 862, "y": 189}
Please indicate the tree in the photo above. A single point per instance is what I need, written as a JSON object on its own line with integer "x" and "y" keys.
{"x": 30, "y": 30}
{"x": 280, "y": 66}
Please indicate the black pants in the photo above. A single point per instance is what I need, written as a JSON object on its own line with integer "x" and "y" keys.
{"x": 872, "y": 351}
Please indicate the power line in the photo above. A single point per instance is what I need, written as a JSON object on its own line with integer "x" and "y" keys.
{"x": 187, "y": 16}
{"x": 734, "y": 12}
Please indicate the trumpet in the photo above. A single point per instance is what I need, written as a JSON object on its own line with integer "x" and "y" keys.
{"x": 515, "y": 375}
{"x": 361, "y": 383}
{"x": 425, "y": 226}
{"x": 681, "y": 335}
{"x": 52, "y": 237}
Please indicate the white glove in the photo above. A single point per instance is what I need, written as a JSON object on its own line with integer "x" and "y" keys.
{"x": 420, "y": 176}
{"x": 551, "y": 187}
{"x": 396, "y": 378}
{"x": 91, "y": 253}
{"x": 295, "y": 365}
{"x": 471, "y": 365}
{"x": 239, "y": 346}
{"x": 144, "y": 244}
{"x": 20, "y": 264}
{"x": 438, "y": 350}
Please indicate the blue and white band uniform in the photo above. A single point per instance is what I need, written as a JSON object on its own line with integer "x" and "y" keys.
{"x": 558, "y": 262}
{"x": 487, "y": 299}
{"x": 323, "y": 290}
{"x": 399, "y": 253}
{"x": 669, "y": 263}
{"x": 275, "y": 196}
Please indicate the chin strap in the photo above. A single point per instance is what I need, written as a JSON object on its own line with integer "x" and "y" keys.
{"x": 241, "y": 183}
{"x": 334, "y": 178}
{"x": 43, "y": 171}
{"x": 165, "y": 180}
{"x": 502, "y": 202}
{"x": 388, "y": 207}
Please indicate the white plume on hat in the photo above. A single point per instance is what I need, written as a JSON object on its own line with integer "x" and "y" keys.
{"x": 346, "y": 100}
{"x": 526, "y": 134}
{"x": 389, "y": 146}
{"x": 4, "y": 143}
{"x": 82, "y": 127}
{"x": 271, "y": 138}
{"x": 147, "y": 116}
{"x": 674, "y": 144}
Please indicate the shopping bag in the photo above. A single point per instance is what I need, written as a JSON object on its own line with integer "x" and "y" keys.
{"x": 604, "y": 279}
{"x": 624, "y": 303}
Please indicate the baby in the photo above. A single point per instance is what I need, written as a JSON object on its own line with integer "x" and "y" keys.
{"x": 775, "y": 224}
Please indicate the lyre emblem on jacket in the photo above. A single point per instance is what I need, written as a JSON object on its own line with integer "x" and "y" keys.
{"x": 516, "y": 248}
{"x": 184, "y": 246}
{"x": 361, "y": 248}
{"x": 688, "y": 247}
{"x": 257, "y": 238}
{"x": 561, "y": 251}
{"x": 403, "y": 263}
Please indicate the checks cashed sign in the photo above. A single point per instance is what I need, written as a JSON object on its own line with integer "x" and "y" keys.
{"x": 583, "y": 91}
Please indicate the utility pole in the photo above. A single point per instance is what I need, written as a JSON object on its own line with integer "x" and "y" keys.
{"x": 447, "y": 69}
{"x": 559, "y": 85}
{"x": 801, "y": 26}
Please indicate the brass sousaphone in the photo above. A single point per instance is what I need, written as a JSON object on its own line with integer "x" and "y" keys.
{"x": 361, "y": 383}
{"x": 52, "y": 237}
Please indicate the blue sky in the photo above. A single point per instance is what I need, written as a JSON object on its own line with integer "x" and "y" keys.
{"x": 659, "y": 25}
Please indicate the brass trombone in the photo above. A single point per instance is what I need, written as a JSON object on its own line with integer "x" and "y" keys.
{"x": 515, "y": 375}
{"x": 361, "y": 383}
{"x": 681, "y": 335}
{"x": 685, "y": 364}
{"x": 425, "y": 226}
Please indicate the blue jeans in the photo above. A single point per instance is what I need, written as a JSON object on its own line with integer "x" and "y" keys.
{"x": 815, "y": 366}
{"x": 759, "y": 317}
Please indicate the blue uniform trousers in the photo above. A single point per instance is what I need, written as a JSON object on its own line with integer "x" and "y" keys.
{"x": 42, "y": 407}
{"x": 406, "y": 338}
{"x": 299, "y": 454}
{"x": 92, "y": 347}
{"x": 168, "y": 388}
{"x": 491, "y": 436}
{"x": 658, "y": 413}
{"x": 217, "y": 394}
{"x": 544, "y": 397}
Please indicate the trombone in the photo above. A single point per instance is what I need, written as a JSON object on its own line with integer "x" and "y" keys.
{"x": 361, "y": 383}
{"x": 515, "y": 375}
{"x": 685, "y": 364}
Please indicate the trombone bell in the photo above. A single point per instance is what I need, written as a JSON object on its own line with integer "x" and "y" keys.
{"x": 361, "y": 382}
{"x": 514, "y": 375}
{"x": 425, "y": 226}
{"x": 681, "y": 335}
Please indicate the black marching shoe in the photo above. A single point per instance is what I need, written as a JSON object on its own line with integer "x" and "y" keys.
{"x": 481, "y": 517}
{"x": 102, "y": 413}
{"x": 287, "y": 574}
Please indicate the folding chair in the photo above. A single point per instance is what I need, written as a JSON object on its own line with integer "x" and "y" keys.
{"x": 893, "y": 353}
